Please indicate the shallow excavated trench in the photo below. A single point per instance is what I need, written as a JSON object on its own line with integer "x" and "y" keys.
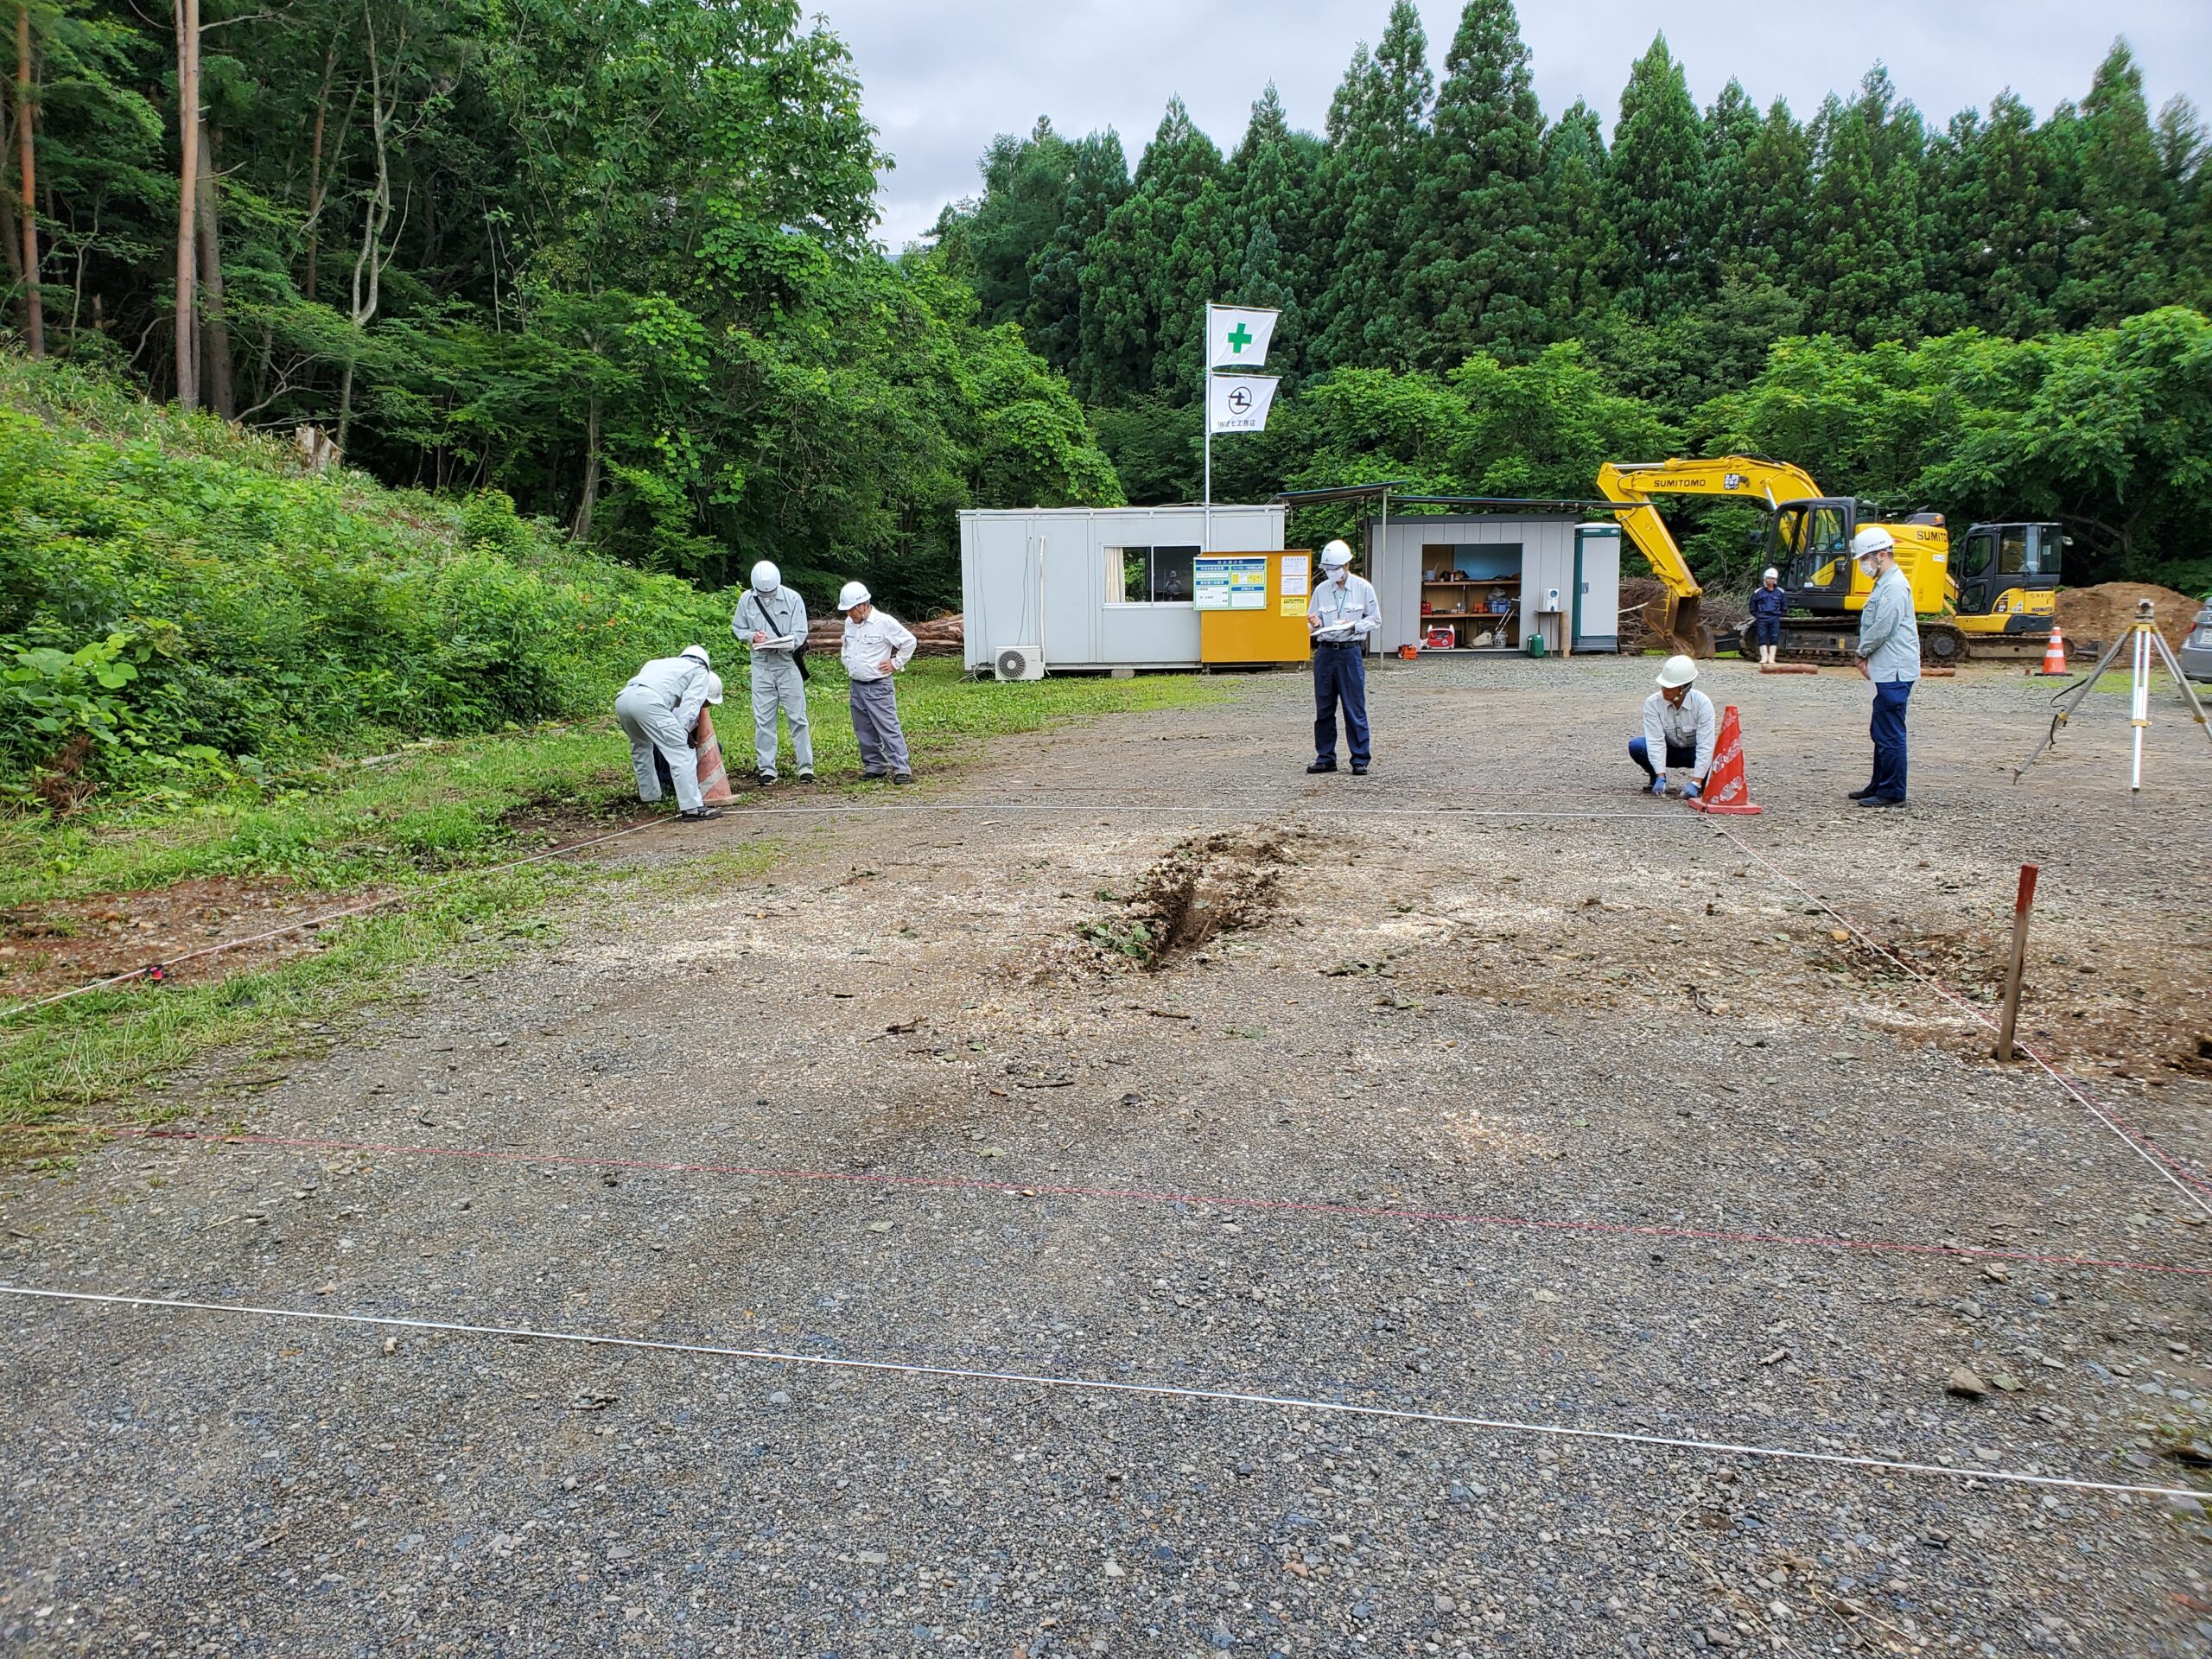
{"x": 1201, "y": 888}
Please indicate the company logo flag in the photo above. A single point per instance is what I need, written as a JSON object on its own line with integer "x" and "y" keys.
{"x": 1239, "y": 403}
{"x": 1237, "y": 336}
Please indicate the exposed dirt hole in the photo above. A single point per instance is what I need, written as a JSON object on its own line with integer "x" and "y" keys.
{"x": 1202, "y": 888}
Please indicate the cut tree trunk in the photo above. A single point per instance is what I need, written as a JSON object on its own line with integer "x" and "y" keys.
{"x": 585, "y": 507}
{"x": 217, "y": 385}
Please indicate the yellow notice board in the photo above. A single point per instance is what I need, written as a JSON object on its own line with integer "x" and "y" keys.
{"x": 1252, "y": 605}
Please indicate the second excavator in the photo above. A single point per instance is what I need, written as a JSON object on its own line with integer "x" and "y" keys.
{"x": 2004, "y": 608}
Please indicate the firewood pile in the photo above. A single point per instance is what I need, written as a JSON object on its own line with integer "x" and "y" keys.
{"x": 941, "y": 636}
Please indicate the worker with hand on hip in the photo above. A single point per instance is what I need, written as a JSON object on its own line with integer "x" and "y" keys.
{"x": 1768, "y": 603}
{"x": 658, "y": 712}
{"x": 1343, "y": 612}
{"x": 1679, "y": 725}
{"x": 876, "y": 646}
{"x": 1889, "y": 655}
{"x": 771, "y": 618}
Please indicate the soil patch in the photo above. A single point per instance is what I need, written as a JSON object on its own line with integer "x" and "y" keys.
{"x": 1203, "y": 887}
{"x": 2103, "y": 613}
{"x": 549, "y": 819}
{"x": 46, "y": 948}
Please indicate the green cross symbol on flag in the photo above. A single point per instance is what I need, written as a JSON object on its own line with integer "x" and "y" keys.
{"x": 1237, "y": 336}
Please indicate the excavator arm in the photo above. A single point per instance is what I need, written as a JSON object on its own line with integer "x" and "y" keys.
{"x": 1635, "y": 483}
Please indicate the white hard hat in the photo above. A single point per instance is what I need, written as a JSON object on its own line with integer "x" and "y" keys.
{"x": 698, "y": 653}
{"x": 1334, "y": 556}
{"x": 1872, "y": 540}
{"x": 1771, "y": 575}
{"x": 1679, "y": 670}
{"x": 852, "y": 593}
{"x": 766, "y": 578}
{"x": 714, "y": 689}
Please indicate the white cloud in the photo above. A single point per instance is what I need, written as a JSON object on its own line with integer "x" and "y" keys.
{"x": 941, "y": 79}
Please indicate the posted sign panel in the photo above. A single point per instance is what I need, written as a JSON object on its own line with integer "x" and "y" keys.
{"x": 1231, "y": 584}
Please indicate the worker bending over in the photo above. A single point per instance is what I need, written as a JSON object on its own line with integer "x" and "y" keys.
{"x": 658, "y": 712}
{"x": 1343, "y": 612}
{"x": 771, "y": 618}
{"x": 877, "y": 645}
{"x": 1889, "y": 655}
{"x": 1678, "y": 726}
{"x": 1768, "y": 603}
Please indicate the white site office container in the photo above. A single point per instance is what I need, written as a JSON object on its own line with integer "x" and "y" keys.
{"x": 1095, "y": 588}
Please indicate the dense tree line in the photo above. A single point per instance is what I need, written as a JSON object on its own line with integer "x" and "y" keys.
{"x": 615, "y": 260}
{"x": 1445, "y": 232}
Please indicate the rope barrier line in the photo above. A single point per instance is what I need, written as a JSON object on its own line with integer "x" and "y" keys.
{"x": 2178, "y": 1175}
{"x": 1150, "y": 1390}
{"x": 1127, "y": 1195}
{"x": 327, "y": 917}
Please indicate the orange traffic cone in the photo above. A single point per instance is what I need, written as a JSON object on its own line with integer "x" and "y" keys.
{"x": 2054, "y": 654}
{"x": 1727, "y": 789}
{"x": 714, "y": 779}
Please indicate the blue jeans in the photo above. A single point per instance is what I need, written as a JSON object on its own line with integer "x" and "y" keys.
{"x": 1678, "y": 755}
{"x": 1339, "y": 676}
{"x": 1887, "y": 730}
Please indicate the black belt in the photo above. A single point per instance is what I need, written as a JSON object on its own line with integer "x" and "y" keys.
{"x": 1337, "y": 644}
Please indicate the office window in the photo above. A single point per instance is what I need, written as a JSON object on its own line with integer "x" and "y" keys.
{"x": 1149, "y": 575}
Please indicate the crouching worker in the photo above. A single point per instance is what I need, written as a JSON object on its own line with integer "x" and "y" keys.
{"x": 1678, "y": 730}
{"x": 876, "y": 646}
{"x": 658, "y": 712}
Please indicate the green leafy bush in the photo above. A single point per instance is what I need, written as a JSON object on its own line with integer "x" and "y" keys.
{"x": 182, "y": 597}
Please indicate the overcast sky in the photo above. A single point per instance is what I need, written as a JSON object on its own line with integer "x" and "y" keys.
{"x": 942, "y": 78}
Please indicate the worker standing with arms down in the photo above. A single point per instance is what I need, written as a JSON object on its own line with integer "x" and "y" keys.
{"x": 876, "y": 646}
{"x": 1889, "y": 655}
{"x": 771, "y": 618}
{"x": 1343, "y": 612}
{"x": 1768, "y": 603}
{"x": 658, "y": 712}
{"x": 1678, "y": 730}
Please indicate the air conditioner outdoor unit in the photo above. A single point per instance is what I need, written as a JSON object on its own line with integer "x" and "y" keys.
{"x": 1019, "y": 663}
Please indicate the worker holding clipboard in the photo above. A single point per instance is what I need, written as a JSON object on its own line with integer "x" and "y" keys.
{"x": 1343, "y": 612}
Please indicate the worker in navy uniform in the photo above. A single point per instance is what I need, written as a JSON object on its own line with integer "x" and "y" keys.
{"x": 1768, "y": 603}
{"x": 1343, "y": 614}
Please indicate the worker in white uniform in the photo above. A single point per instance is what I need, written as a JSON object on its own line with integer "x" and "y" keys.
{"x": 876, "y": 646}
{"x": 772, "y": 619}
{"x": 1679, "y": 726}
{"x": 1342, "y": 614}
{"x": 658, "y": 712}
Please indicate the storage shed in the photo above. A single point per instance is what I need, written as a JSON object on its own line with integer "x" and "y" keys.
{"x": 1489, "y": 581}
{"x": 1095, "y": 588}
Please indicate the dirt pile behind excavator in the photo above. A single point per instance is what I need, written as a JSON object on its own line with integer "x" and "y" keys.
{"x": 2103, "y": 613}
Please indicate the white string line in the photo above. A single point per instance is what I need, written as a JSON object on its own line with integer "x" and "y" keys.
{"x": 1172, "y": 809}
{"x": 1101, "y": 1385}
{"x": 1942, "y": 990}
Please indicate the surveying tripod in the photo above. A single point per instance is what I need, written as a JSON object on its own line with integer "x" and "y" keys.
{"x": 2142, "y": 636}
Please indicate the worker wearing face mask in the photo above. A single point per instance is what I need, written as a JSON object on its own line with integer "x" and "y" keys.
{"x": 1678, "y": 730}
{"x": 658, "y": 712}
{"x": 1768, "y": 603}
{"x": 1889, "y": 655}
{"x": 771, "y": 618}
{"x": 1341, "y": 614}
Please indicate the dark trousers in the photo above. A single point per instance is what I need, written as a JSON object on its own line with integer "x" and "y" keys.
{"x": 1339, "y": 676}
{"x": 1678, "y": 755}
{"x": 1887, "y": 730}
{"x": 1766, "y": 630}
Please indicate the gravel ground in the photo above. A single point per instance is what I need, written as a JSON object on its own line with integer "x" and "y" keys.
{"x": 942, "y": 1105}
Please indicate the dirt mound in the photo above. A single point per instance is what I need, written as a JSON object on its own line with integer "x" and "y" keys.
{"x": 1203, "y": 887}
{"x": 2103, "y": 613}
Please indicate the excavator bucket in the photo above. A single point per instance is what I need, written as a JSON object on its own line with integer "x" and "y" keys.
{"x": 1677, "y": 620}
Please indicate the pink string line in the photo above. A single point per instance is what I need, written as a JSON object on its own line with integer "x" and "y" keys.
{"x": 326, "y": 918}
{"x": 1127, "y": 1195}
{"x": 2180, "y": 1174}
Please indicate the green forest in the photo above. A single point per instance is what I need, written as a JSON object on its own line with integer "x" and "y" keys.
{"x": 594, "y": 297}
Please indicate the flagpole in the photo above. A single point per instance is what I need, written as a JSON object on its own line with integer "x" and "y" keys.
{"x": 1205, "y": 412}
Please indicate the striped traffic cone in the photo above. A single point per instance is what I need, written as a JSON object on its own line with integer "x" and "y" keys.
{"x": 1727, "y": 789}
{"x": 2054, "y": 655}
{"x": 714, "y": 777}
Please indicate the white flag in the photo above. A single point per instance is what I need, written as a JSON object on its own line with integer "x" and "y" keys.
{"x": 1237, "y": 336}
{"x": 1238, "y": 403}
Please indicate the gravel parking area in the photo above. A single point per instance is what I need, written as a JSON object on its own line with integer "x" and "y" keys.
{"x": 1482, "y": 1087}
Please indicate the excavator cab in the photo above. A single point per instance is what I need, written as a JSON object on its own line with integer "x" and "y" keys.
{"x": 2011, "y": 572}
{"x": 1810, "y": 542}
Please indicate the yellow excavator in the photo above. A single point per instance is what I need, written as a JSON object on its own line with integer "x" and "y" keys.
{"x": 1999, "y": 602}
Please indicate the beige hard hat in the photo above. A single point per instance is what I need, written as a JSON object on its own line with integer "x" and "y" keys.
{"x": 1679, "y": 670}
